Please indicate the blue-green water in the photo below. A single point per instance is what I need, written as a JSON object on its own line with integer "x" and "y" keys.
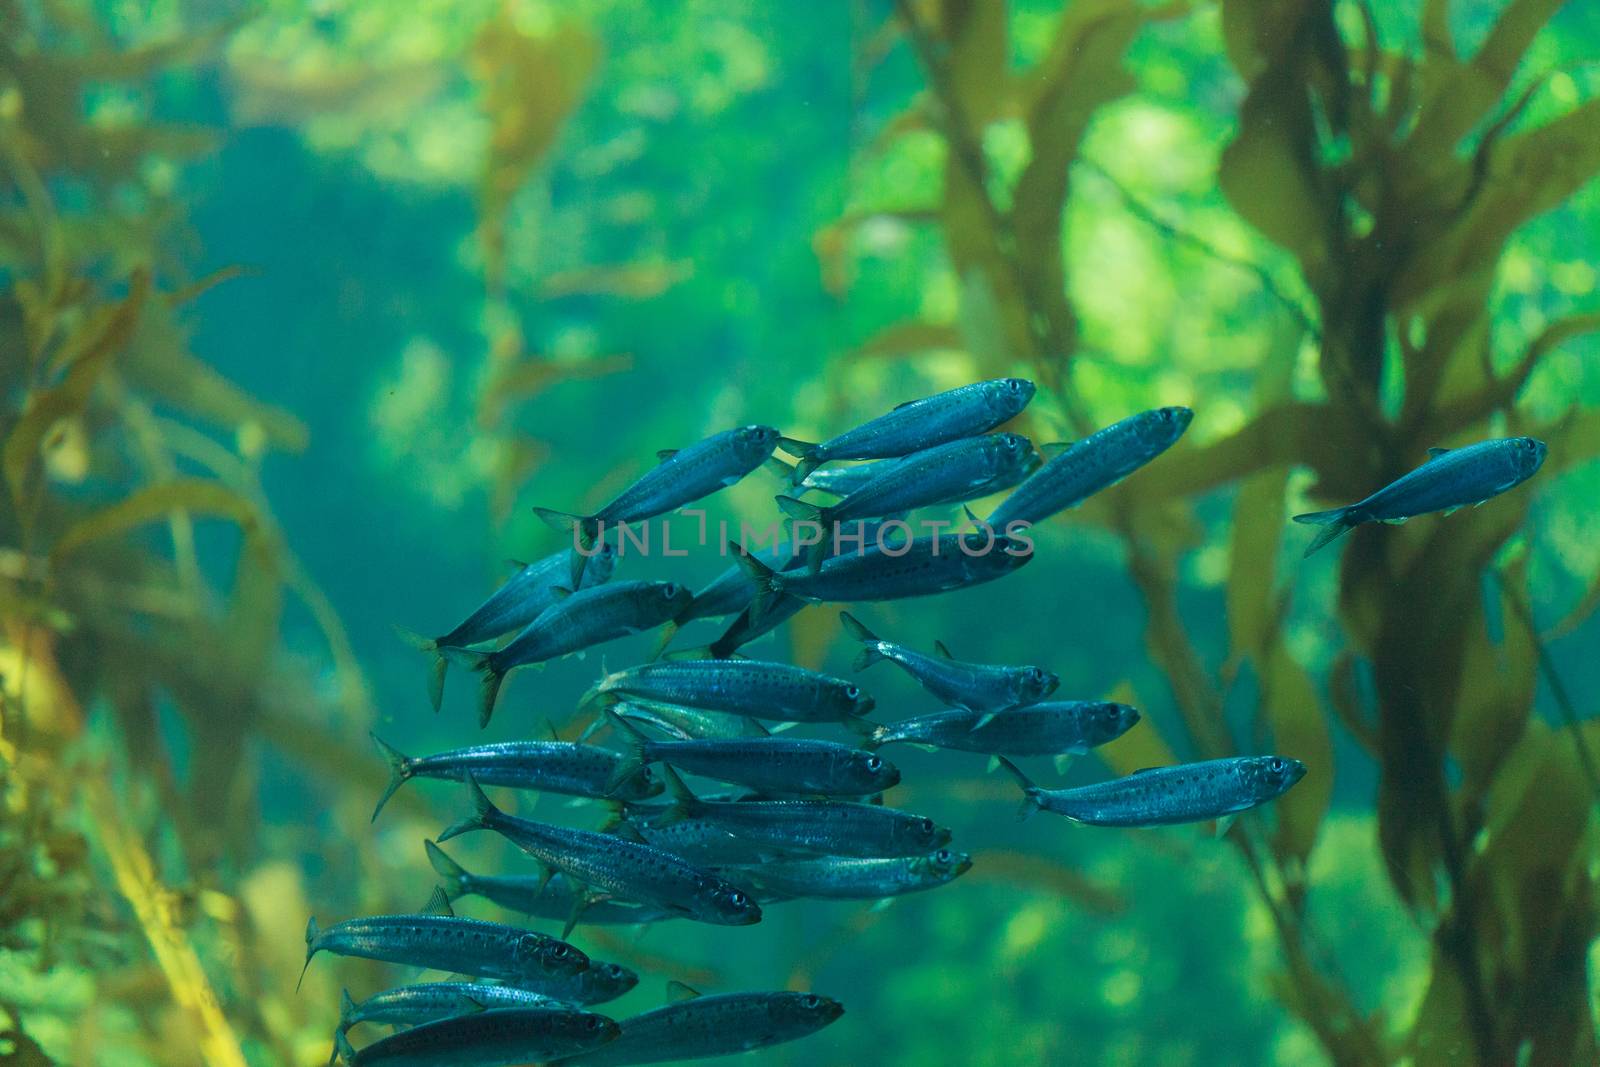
{"x": 723, "y": 214}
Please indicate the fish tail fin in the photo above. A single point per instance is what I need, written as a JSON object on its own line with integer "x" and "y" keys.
{"x": 769, "y": 584}
{"x": 869, "y": 653}
{"x": 483, "y": 811}
{"x": 347, "y": 1006}
{"x": 454, "y": 875}
{"x": 783, "y": 470}
{"x": 342, "y": 1047}
{"x": 807, "y": 456}
{"x": 436, "y": 667}
{"x": 684, "y": 802}
{"x": 399, "y": 771}
{"x": 311, "y": 949}
{"x": 633, "y": 758}
{"x": 489, "y": 692}
{"x": 802, "y": 512}
{"x": 585, "y": 533}
{"x": 1335, "y": 523}
{"x": 669, "y": 630}
{"x": 867, "y": 732}
{"x": 1030, "y": 792}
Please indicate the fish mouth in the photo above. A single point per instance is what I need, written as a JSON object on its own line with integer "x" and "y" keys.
{"x": 963, "y": 865}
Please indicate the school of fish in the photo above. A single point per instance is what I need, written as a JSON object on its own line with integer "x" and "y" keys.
{"x": 798, "y": 818}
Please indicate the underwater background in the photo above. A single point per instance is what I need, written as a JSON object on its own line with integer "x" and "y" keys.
{"x": 306, "y": 304}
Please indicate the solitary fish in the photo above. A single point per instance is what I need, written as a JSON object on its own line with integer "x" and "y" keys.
{"x": 580, "y": 621}
{"x": 757, "y": 688}
{"x": 1452, "y": 478}
{"x": 511, "y": 607}
{"x": 500, "y": 1038}
{"x": 696, "y": 1027}
{"x": 769, "y": 764}
{"x": 951, "y": 473}
{"x": 837, "y": 878}
{"x": 1160, "y": 796}
{"x": 814, "y": 827}
{"x": 683, "y": 476}
{"x": 621, "y": 868}
{"x": 1097, "y": 462}
{"x": 974, "y": 686}
{"x": 424, "y": 1002}
{"x": 918, "y": 424}
{"x": 921, "y": 566}
{"x": 555, "y": 899}
{"x": 547, "y": 766}
{"x": 438, "y": 939}
{"x": 1056, "y": 728}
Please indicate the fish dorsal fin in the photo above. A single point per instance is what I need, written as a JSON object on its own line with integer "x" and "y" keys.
{"x": 666, "y": 454}
{"x": 904, "y": 404}
{"x": 1435, "y": 453}
{"x": 677, "y": 992}
{"x": 550, "y": 728}
{"x": 876, "y": 800}
{"x": 1052, "y": 449}
{"x": 684, "y": 802}
{"x": 944, "y": 653}
{"x": 438, "y": 903}
{"x": 516, "y": 564}
{"x": 560, "y": 592}
{"x": 1145, "y": 770}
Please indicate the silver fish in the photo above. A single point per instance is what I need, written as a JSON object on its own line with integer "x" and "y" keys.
{"x": 837, "y": 878}
{"x": 424, "y": 1002}
{"x": 437, "y": 939}
{"x": 921, "y": 566}
{"x": 1097, "y": 462}
{"x": 554, "y": 898}
{"x": 838, "y": 481}
{"x": 503, "y": 1037}
{"x": 951, "y": 473}
{"x": 621, "y": 868}
{"x": 919, "y": 424}
{"x": 757, "y": 688}
{"x": 974, "y": 686}
{"x": 1054, "y": 728}
{"x": 696, "y": 1027}
{"x": 682, "y": 477}
{"x": 547, "y": 766}
{"x": 769, "y": 764}
{"x": 1452, "y": 478}
{"x": 814, "y": 827}
{"x": 579, "y": 621}
{"x": 514, "y": 605}
{"x": 1161, "y": 796}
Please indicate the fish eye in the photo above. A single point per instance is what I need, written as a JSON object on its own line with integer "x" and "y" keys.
{"x": 559, "y": 951}
{"x": 1013, "y": 385}
{"x": 852, "y": 692}
{"x": 874, "y": 764}
{"x": 738, "y": 899}
{"x": 811, "y": 1001}
{"x": 592, "y": 1023}
{"x": 926, "y": 826}
{"x": 942, "y": 856}
{"x": 670, "y": 589}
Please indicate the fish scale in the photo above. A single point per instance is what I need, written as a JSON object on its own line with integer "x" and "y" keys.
{"x": 838, "y": 878}
{"x": 975, "y": 686}
{"x": 449, "y": 943}
{"x": 691, "y": 473}
{"x": 759, "y": 688}
{"x": 500, "y": 1038}
{"x": 1097, "y": 462}
{"x": 770, "y": 764}
{"x": 1048, "y": 729}
{"x": 920, "y": 567}
{"x": 526, "y": 595}
{"x": 623, "y": 868}
{"x": 1157, "y": 796}
{"x": 717, "y": 1025}
{"x": 588, "y": 618}
{"x": 427, "y": 1001}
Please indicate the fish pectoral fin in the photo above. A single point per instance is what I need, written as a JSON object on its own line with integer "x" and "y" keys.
{"x": 881, "y": 904}
{"x": 1401, "y": 521}
{"x": 1221, "y": 827}
{"x": 994, "y": 765}
{"x": 1435, "y": 453}
{"x": 983, "y": 720}
{"x": 1062, "y": 761}
{"x": 680, "y": 991}
{"x": 1051, "y": 449}
{"x": 942, "y": 650}
{"x": 665, "y": 454}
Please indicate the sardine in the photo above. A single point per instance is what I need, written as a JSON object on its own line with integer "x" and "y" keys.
{"x": 1097, "y": 462}
{"x": 546, "y": 766}
{"x": 499, "y": 1038}
{"x": 1160, "y": 796}
{"x": 682, "y": 477}
{"x": 1452, "y": 478}
{"x": 696, "y": 1027}
{"x": 438, "y": 939}
{"x": 770, "y": 764}
{"x": 424, "y": 1002}
{"x": 811, "y": 827}
{"x": 921, "y": 566}
{"x": 554, "y": 899}
{"x": 974, "y": 686}
{"x": 918, "y": 424}
{"x": 624, "y": 869}
{"x": 836, "y": 878}
{"x": 951, "y": 473}
{"x": 1055, "y": 728}
{"x": 580, "y": 621}
{"x": 757, "y": 688}
{"x": 528, "y": 592}
{"x": 837, "y": 481}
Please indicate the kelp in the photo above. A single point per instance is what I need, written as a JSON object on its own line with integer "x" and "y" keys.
{"x": 1394, "y": 182}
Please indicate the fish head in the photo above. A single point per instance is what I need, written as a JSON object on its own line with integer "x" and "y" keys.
{"x": 1012, "y": 451}
{"x": 1033, "y": 684}
{"x": 871, "y": 772}
{"x": 674, "y": 597}
{"x": 999, "y": 554}
{"x": 541, "y": 955}
{"x": 1008, "y": 397}
{"x": 1271, "y": 776}
{"x": 1160, "y": 428}
{"x": 1527, "y": 456}
{"x": 921, "y": 834}
{"x": 853, "y": 702}
{"x": 1109, "y": 720}
{"x": 803, "y": 1012}
{"x": 597, "y": 571}
{"x": 942, "y": 866}
{"x": 608, "y": 981}
{"x": 583, "y": 1029}
{"x": 755, "y": 443}
{"x": 728, "y": 905}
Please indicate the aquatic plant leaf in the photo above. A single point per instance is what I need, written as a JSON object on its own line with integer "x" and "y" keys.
{"x": 1299, "y": 730}
{"x": 911, "y": 338}
{"x": 1497, "y": 689}
{"x": 100, "y": 338}
{"x": 154, "y": 502}
{"x": 515, "y": 378}
{"x": 1141, "y": 747}
{"x": 635, "y": 281}
{"x": 1252, "y": 604}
